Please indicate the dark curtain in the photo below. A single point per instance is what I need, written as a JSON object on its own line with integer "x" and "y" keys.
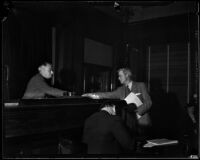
{"x": 69, "y": 59}
{"x": 26, "y": 43}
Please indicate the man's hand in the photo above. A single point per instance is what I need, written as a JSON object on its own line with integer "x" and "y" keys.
{"x": 91, "y": 95}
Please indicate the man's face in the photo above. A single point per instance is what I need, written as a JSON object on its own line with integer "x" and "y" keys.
{"x": 46, "y": 71}
{"x": 122, "y": 77}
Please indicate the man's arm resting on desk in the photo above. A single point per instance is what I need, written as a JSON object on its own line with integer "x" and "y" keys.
{"x": 101, "y": 95}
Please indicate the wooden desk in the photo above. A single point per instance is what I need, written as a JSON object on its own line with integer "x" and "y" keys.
{"x": 39, "y": 122}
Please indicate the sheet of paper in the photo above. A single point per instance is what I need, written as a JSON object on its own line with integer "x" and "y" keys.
{"x": 159, "y": 142}
{"x": 162, "y": 141}
{"x": 132, "y": 98}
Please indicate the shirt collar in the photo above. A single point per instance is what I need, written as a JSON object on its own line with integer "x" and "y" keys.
{"x": 129, "y": 85}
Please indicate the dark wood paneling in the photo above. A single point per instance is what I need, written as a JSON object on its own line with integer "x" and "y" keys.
{"x": 158, "y": 64}
{"x": 178, "y": 71}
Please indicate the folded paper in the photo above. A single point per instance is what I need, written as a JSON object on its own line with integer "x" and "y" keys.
{"x": 133, "y": 98}
{"x": 160, "y": 142}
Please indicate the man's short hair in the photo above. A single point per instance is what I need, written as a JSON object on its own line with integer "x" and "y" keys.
{"x": 126, "y": 71}
{"x": 44, "y": 64}
{"x": 116, "y": 104}
{"x": 107, "y": 103}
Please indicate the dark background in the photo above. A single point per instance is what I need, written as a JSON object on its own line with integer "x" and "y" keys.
{"x": 27, "y": 41}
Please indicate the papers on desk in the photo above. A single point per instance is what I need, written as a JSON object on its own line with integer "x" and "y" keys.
{"x": 159, "y": 142}
{"x": 132, "y": 98}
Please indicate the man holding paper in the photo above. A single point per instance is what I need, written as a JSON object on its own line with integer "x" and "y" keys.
{"x": 131, "y": 92}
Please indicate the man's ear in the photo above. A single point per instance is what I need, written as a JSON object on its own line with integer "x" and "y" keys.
{"x": 126, "y": 75}
{"x": 39, "y": 68}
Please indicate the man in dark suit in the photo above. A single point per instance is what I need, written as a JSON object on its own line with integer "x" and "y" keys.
{"x": 105, "y": 133}
{"x": 128, "y": 85}
{"x": 37, "y": 86}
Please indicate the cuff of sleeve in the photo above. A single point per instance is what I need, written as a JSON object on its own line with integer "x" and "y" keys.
{"x": 138, "y": 116}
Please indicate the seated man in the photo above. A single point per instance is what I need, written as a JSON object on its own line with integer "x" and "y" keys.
{"x": 38, "y": 88}
{"x": 105, "y": 133}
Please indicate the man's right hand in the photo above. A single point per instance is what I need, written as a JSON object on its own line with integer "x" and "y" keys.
{"x": 91, "y": 95}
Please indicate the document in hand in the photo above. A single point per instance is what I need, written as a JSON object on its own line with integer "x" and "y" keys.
{"x": 132, "y": 98}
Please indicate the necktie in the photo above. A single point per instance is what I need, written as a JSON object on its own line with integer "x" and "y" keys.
{"x": 127, "y": 90}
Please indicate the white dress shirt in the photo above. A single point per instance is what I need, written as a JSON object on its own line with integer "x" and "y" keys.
{"x": 129, "y": 87}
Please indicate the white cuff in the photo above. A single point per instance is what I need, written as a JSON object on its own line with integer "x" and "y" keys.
{"x": 138, "y": 116}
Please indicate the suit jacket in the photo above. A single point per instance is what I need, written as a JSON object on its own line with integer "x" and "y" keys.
{"x": 137, "y": 87}
{"x": 38, "y": 88}
{"x": 106, "y": 134}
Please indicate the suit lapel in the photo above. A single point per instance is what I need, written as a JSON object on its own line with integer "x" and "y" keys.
{"x": 134, "y": 87}
{"x": 127, "y": 91}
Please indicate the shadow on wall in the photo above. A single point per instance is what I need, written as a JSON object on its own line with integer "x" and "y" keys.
{"x": 66, "y": 80}
{"x": 167, "y": 115}
{"x": 17, "y": 84}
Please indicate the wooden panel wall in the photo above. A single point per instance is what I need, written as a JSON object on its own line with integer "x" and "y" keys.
{"x": 158, "y": 63}
{"x": 178, "y": 72}
{"x": 169, "y": 67}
